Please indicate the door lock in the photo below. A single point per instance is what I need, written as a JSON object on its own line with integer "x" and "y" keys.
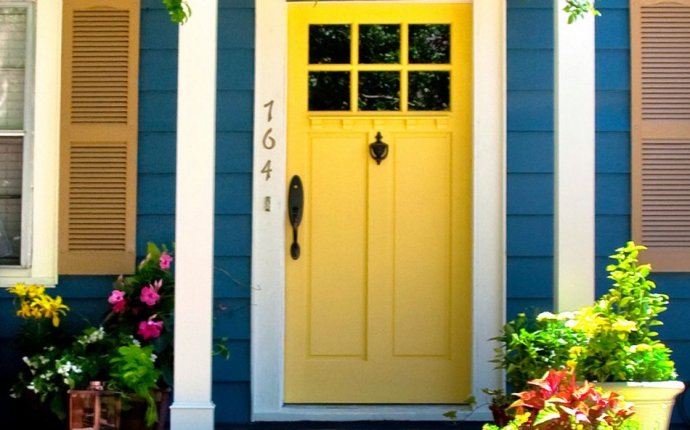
{"x": 295, "y": 210}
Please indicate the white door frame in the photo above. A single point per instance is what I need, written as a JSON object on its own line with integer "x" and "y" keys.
{"x": 269, "y": 215}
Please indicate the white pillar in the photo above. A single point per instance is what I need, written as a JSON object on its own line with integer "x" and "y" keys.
{"x": 192, "y": 407}
{"x": 489, "y": 170}
{"x": 574, "y": 108}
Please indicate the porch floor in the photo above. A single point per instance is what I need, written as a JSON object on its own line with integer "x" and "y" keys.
{"x": 358, "y": 425}
{"x": 371, "y": 425}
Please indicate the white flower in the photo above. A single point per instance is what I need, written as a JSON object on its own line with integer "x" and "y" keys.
{"x": 136, "y": 342}
{"x": 546, "y": 316}
{"x": 153, "y": 357}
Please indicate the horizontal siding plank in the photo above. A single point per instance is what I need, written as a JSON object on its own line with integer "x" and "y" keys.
{"x": 530, "y": 152}
{"x": 156, "y": 194}
{"x": 613, "y": 193}
{"x": 613, "y": 152}
{"x": 530, "y": 111}
{"x": 157, "y": 31}
{"x": 529, "y": 277}
{"x": 530, "y": 194}
{"x": 158, "y": 70}
{"x": 613, "y": 111}
{"x": 236, "y": 368}
{"x": 613, "y": 29}
{"x": 157, "y": 152}
{"x": 612, "y": 231}
{"x": 530, "y": 69}
{"x": 530, "y": 28}
{"x": 612, "y": 69}
{"x": 236, "y": 69}
{"x": 231, "y": 319}
{"x": 530, "y": 235}
{"x": 235, "y": 111}
{"x": 231, "y": 277}
{"x": 234, "y": 152}
{"x": 236, "y": 28}
{"x": 157, "y": 111}
{"x": 154, "y": 228}
{"x": 233, "y": 193}
{"x": 232, "y": 400}
{"x": 233, "y": 235}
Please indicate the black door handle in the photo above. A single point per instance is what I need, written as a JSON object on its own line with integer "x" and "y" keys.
{"x": 295, "y": 210}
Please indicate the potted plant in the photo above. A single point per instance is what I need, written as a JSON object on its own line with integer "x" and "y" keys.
{"x": 612, "y": 341}
{"x": 556, "y": 401}
{"x": 131, "y": 350}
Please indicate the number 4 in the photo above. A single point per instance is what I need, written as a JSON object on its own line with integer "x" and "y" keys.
{"x": 266, "y": 170}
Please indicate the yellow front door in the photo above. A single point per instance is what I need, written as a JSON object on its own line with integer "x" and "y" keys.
{"x": 378, "y": 302}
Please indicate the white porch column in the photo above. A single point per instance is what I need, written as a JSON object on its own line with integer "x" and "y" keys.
{"x": 574, "y": 108}
{"x": 192, "y": 407}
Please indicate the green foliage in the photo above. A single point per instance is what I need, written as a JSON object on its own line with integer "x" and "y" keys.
{"x": 134, "y": 370}
{"x": 178, "y": 10}
{"x": 556, "y": 401}
{"x": 620, "y": 326}
{"x": 612, "y": 340}
{"x": 531, "y": 346}
{"x": 579, "y": 8}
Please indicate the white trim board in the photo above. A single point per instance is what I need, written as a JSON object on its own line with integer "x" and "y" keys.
{"x": 268, "y": 226}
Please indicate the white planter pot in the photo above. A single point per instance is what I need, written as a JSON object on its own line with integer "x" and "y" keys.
{"x": 653, "y": 400}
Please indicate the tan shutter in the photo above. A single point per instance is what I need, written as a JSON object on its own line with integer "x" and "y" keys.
{"x": 98, "y": 148}
{"x": 660, "y": 51}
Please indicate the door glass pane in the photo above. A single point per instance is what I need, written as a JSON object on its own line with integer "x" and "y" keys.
{"x": 329, "y": 44}
{"x": 430, "y": 44}
{"x": 429, "y": 91}
{"x": 329, "y": 91}
{"x": 11, "y": 149}
{"x": 379, "y": 91}
{"x": 379, "y": 44}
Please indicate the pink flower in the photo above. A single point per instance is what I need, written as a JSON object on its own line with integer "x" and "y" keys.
{"x": 117, "y": 299}
{"x": 150, "y": 329}
{"x": 165, "y": 260}
{"x": 149, "y": 294}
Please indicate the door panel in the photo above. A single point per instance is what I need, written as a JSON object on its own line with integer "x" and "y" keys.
{"x": 378, "y": 304}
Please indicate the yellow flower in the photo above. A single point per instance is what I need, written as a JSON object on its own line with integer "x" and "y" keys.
{"x": 35, "y": 303}
{"x": 19, "y": 290}
{"x": 36, "y": 290}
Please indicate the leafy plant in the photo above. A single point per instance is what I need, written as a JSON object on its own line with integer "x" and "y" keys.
{"x": 132, "y": 349}
{"x": 530, "y": 346}
{"x": 579, "y": 8}
{"x": 556, "y": 401}
{"x": 178, "y": 10}
{"x": 621, "y": 341}
{"x": 134, "y": 369}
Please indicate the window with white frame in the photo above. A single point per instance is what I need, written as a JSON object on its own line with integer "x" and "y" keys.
{"x": 15, "y": 137}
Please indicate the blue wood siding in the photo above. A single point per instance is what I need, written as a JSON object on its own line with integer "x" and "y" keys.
{"x": 613, "y": 177}
{"x": 156, "y": 197}
{"x": 231, "y": 390}
{"x": 530, "y": 156}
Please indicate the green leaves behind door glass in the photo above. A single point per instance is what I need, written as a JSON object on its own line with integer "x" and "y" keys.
{"x": 429, "y": 91}
{"x": 329, "y": 91}
{"x": 379, "y": 91}
{"x": 379, "y": 44}
{"x": 429, "y": 43}
{"x": 329, "y": 44}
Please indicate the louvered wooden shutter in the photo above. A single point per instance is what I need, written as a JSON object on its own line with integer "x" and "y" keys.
{"x": 98, "y": 145}
{"x": 660, "y": 51}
